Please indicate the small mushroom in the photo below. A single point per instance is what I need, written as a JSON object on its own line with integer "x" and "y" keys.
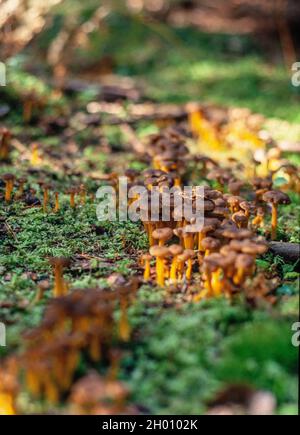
{"x": 162, "y": 235}
{"x": 160, "y": 252}
{"x": 72, "y": 192}
{"x": 275, "y": 198}
{"x": 58, "y": 264}
{"x": 146, "y": 258}
{"x": 9, "y": 185}
{"x": 175, "y": 250}
{"x": 243, "y": 264}
{"x": 240, "y": 219}
{"x": 4, "y": 144}
{"x": 56, "y": 205}
{"x": 210, "y": 244}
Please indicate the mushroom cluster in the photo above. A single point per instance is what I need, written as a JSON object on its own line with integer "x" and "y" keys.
{"x": 96, "y": 395}
{"x": 81, "y": 322}
{"x": 224, "y": 246}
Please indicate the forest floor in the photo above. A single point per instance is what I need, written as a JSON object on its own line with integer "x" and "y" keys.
{"x": 182, "y": 353}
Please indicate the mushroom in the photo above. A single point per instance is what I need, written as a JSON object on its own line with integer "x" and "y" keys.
{"x": 46, "y": 188}
{"x": 160, "y": 252}
{"x": 258, "y": 220}
{"x": 58, "y": 264}
{"x": 9, "y": 185}
{"x": 82, "y": 193}
{"x": 72, "y": 192}
{"x": 146, "y": 258}
{"x": 175, "y": 250}
{"x": 21, "y": 183}
{"x": 162, "y": 235}
{"x": 56, "y": 206}
{"x": 275, "y": 197}
{"x": 189, "y": 254}
{"x": 235, "y": 186}
{"x": 243, "y": 264}
{"x": 240, "y": 219}
{"x": 210, "y": 244}
{"x": 4, "y": 144}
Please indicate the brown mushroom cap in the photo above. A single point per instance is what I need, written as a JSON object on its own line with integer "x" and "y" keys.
{"x": 235, "y": 186}
{"x": 146, "y": 257}
{"x": 276, "y": 197}
{"x": 59, "y": 261}
{"x": 213, "y": 261}
{"x": 159, "y": 251}
{"x": 175, "y": 249}
{"x": 189, "y": 253}
{"x": 210, "y": 243}
{"x": 244, "y": 261}
{"x": 247, "y": 206}
{"x": 8, "y": 177}
{"x": 233, "y": 233}
{"x": 239, "y": 218}
{"x": 164, "y": 234}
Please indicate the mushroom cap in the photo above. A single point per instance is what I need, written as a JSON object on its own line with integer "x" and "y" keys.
{"x": 262, "y": 183}
{"x": 146, "y": 257}
{"x": 210, "y": 243}
{"x": 233, "y": 233}
{"x": 165, "y": 233}
{"x": 178, "y": 232}
{"x": 235, "y": 186}
{"x": 276, "y": 197}
{"x": 8, "y": 177}
{"x": 244, "y": 261}
{"x": 239, "y": 217}
{"x": 213, "y": 261}
{"x": 59, "y": 261}
{"x": 159, "y": 251}
{"x": 176, "y": 249}
{"x": 189, "y": 253}
{"x": 247, "y": 206}
{"x": 220, "y": 202}
{"x": 234, "y": 200}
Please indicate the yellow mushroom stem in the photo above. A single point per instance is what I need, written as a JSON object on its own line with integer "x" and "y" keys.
{"x": 217, "y": 282}
{"x": 200, "y": 238}
{"x": 188, "y": 241}
{"x": 209, "y": 281}
{"x": 274, "y": 221}
{"x": 147, "y": 270}
{"x": 82, "y": 196}
{"x": 56, "y": 206}
{"x": 60, "y": 287}
{"x": 239, "y": 276}
{"x": 45, "y": 200}
{"x": 173, "y": 270}
{"x": 188, "y": 272}
{"x": 160, "y": 276}
{"x": 9, "y": 185}
{"x": 72, "y": 199}
{"x": 124, "y": 328}
{"x": 258, "y": 221}
{"x": 35, "y": 159}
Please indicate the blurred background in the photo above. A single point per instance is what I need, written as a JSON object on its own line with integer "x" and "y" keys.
{"x": 230, "y": 52}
